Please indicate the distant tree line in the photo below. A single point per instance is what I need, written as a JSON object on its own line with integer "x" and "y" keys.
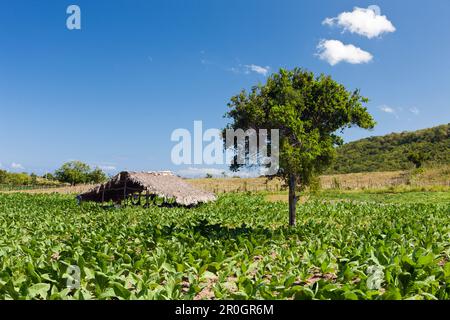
{"x": 397, "y": 151}
{"x": 73, "y": 173}
{"x": 18, "y": 179}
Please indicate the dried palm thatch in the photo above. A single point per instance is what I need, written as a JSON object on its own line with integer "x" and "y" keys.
{"x": 163, "y": 184}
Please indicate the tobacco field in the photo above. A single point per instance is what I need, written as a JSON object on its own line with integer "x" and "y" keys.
{"x": 237, "y": 248}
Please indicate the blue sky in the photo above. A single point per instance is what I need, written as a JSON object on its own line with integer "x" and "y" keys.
{"x": 111, "y": 93}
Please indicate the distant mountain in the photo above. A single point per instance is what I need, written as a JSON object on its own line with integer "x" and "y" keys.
{"x": 390, "y": 152}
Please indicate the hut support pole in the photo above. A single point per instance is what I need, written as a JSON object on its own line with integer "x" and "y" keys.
{"x": 125, "y": 192}
{"x": 147, "y": 203}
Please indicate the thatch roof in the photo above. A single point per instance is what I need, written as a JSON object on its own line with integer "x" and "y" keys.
{"x": 162, "y": 184}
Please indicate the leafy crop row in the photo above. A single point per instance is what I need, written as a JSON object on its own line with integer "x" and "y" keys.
{"x": 238, "y": 247}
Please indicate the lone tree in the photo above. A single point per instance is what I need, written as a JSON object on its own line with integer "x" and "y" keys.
{"x": 308, "y": 111}
{"x": 77, "y": 172}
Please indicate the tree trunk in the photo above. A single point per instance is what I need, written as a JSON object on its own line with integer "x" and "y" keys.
{"x": 292, "y": 200}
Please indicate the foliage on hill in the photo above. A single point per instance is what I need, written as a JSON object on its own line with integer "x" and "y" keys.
{"x": 393, "y": 151}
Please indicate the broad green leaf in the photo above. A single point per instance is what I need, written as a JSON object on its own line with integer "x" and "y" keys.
{"x": 39, "y": 290}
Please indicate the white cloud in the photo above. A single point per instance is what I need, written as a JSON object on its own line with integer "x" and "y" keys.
{"x": 334, "y": 52}
{"x": 108, "y": 168}
{"x": 366, "y": 22}
{"x": 249, "y": 68}
{"x": 193, "y": 172}
{"x": 414, "y": 110}
{"x": 258, "y": 69}
{"x": 237, "y": 68}
{"x": 206, "y": 62}
{"x": 399, "y": 111}
{"x": 17, "y": 166}
{"x": 387, "y": 109}
{"x": 391, "y": 110}
{"x": 234, "y": 70}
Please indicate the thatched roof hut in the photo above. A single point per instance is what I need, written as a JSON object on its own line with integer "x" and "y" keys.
{"x": 161, "y": 184}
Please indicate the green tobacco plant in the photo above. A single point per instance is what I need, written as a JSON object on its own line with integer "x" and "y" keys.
{"x": 236, "y": 248}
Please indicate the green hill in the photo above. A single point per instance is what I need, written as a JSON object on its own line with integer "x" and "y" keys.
{"x": 390, "y": 152}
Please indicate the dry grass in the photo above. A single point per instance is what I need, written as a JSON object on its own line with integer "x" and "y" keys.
{"x": 61, "y": 190}
{"x": 429, "y": 177}
{"x": 223, "y": 185}
{"x": 435, "y": 176}
{"x": 372, "y": 180}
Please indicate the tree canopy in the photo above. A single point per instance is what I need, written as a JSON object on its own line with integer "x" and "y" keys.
{"x": 309, "y": 112}
{"x": 77, "y": 172}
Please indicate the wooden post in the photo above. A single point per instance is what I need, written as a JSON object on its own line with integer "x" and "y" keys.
{"x": 292, "y": 200}
{"x": 147, "y": 199}
{"x": 125, "y": 191}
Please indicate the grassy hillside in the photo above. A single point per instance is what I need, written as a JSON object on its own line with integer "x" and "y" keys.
{"x": 390, "y": 152}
